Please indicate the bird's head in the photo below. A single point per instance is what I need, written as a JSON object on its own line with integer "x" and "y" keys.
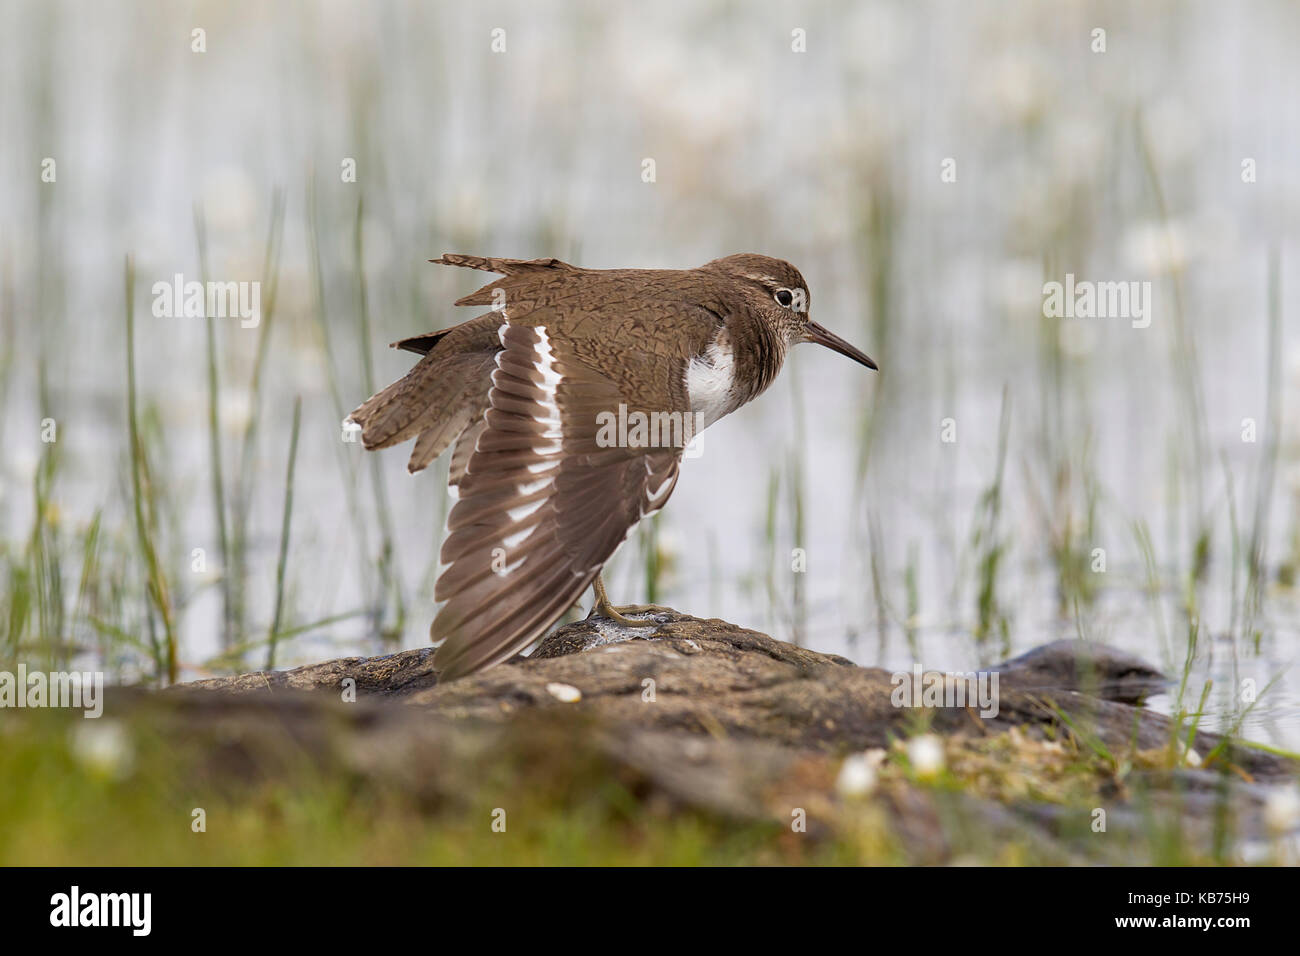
{"x": 777, "y": 293}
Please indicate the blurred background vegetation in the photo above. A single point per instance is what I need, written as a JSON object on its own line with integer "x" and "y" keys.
{"x": 200, "y": 511}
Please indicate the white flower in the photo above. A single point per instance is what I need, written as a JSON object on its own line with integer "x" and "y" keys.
{"x": 103, "y": 746}
{"x": 1015, "y": 88}
{"x": 235, "y": 409}
{"x": 857, "y": 777}
{"x": 1156, "y": 248}
{"x": 926, "y": 755}
{"x": 1282, "y": 809}
{"x": 566, "y": 693}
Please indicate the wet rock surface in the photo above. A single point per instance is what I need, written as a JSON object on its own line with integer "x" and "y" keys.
{"x": 1091, "y": 668}
{"x": 729, "y": 721}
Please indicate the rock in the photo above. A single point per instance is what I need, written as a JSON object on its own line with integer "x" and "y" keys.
{"x": 1086, "y": 666}
{"x": 735, "y": 723}
{"x": 711, "y": 677}
{"x": 598, "y": 632}
{"x": 392, "y": 675}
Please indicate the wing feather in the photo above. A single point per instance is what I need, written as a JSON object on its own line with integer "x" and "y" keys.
{"x": 542, "y": 505}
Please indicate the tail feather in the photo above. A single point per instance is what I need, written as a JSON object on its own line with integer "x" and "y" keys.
{"x": 394, "y": 414}
{"x": 442, "y": 398}
{"x": 435, "y": 400}
{"x": 433, "y": 441}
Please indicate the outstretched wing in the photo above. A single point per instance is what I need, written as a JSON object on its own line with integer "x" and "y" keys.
{"x": 544, "y": 502}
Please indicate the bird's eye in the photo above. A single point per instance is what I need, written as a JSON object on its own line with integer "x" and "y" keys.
{"x": 784, "y": 298}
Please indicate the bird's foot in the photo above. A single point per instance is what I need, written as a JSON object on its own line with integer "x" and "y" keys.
{"x": 609, "y": 612}
{"x": 602, "y": 607}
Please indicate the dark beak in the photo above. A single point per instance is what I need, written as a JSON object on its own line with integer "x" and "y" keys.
{"x": 815, "y": 333}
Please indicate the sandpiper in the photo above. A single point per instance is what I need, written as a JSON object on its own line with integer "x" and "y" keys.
{"x": 526, "y": 394}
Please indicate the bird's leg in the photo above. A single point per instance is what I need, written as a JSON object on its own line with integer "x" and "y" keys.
{"x": 603, "y": 608}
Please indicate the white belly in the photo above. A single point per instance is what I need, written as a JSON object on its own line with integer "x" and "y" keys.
{"x": 710, "y": 383}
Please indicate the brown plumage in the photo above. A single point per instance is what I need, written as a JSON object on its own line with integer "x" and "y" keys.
{"x": 544, "y": 497}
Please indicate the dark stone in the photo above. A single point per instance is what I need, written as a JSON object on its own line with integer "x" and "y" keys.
{"x": 1086, "y": 666}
